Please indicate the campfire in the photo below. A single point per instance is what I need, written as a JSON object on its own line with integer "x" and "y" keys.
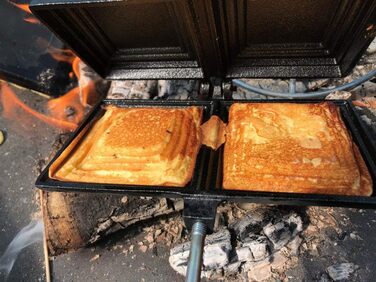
{"x": 241, "y": 209}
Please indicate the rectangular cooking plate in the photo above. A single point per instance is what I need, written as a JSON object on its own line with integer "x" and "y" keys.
{"x": 130, "y": 39}
{"x": 25, "y": 57}
{"x": 361, "y": 137}
{"x": 206, "y": 182}
{"x": 166, "y": 39}
{"x": 292, "y": 38}
{"x": 46, "y": 183}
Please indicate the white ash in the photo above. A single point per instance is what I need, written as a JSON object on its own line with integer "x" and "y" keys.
{"x": 87, "y": 75}
{"x": 318, "y": 83}
{"x": 250, "y": 223}
{"x": 283, "y": 231}
{"x": 294, "y": 245}
{"x": 244, "y": 254}
{"x": 368, "y": 115}
{"x": 154, "y": 89}
{"x": 276, "y": 85}
{"x": 178, "y": 89}
{"x": 217, "y": 249}
{"x": 258, "y": 245}
{"x": 339, "y": 95}
{"x": 341, "y": 271}
{"x": 216, "y": 253}
{"x": 232, "y": 268}
{"x": 261, "y": 241}
{"x": 45, "y": 77}
{"x": 367, "y": 89}
{"x": 372, "y": 47}
{"x": 132, "y": 89}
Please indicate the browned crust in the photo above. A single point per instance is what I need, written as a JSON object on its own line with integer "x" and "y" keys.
{"x": 56, "y": 165}
{"x": 195, "y": 145}
{"x": 213, "y": 132}
{"x": 80, "y": 160}
{"x": 365, "y": 177}
{"x": 281, "y": 175}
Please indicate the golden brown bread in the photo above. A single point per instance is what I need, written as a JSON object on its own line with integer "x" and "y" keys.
{"x": 286, "y": 147}
{"x": 144, "y": 146}
{"x": 213, "y": 132}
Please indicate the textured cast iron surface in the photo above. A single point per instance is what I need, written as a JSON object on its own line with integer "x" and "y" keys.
{"x": 140, "y": 39}
{"x": 206, "y": 184}
{"x": 24, "y": 56}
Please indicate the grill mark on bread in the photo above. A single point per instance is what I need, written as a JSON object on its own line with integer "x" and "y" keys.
{"x": 169, "y": 161}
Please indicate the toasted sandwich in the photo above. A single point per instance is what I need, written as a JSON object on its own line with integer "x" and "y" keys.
{"x": 297, "y": 148}
{"x": 136, "y": 146}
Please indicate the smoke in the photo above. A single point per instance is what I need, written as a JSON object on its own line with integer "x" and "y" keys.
{"x": 28, "y": 235}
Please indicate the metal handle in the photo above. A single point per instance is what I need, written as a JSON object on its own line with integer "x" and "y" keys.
{"x": 196, "y": 251}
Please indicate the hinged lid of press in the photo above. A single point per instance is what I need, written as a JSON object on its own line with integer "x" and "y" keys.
{"x": 173, "y": 39}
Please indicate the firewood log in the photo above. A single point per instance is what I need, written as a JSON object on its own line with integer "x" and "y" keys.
{"x": 74, "y": 220}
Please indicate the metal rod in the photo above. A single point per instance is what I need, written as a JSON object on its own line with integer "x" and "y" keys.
{"x": 196, "y": 251}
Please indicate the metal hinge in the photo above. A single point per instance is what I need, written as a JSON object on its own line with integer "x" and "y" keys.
{"x": 222, "y": 90}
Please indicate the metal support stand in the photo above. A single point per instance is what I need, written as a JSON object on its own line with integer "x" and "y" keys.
{"x": 196, "y": 251}
{"x": 200, "y": 210}
{"x": 199, "y": 217}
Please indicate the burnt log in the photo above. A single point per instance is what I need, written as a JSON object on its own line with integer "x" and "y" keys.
{"x": 75, "y": 220}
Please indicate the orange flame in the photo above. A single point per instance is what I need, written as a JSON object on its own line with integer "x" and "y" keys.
{"x": 25, "y": 8}
{"x": 70, "y": 106}
{"x": 61, "y": 55}
{"x": 14, "y": 109}
{"x": 64, "y": 112}
{"x": 31, "y": 20}
{"x": 84, "y": 84}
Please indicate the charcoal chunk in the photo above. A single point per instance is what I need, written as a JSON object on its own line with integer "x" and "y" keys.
{"x": 283, "y": 231}
{"x": 251, "y": 223}
{"x": 216, "y": 252}
{"x": 259, "y": 246}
